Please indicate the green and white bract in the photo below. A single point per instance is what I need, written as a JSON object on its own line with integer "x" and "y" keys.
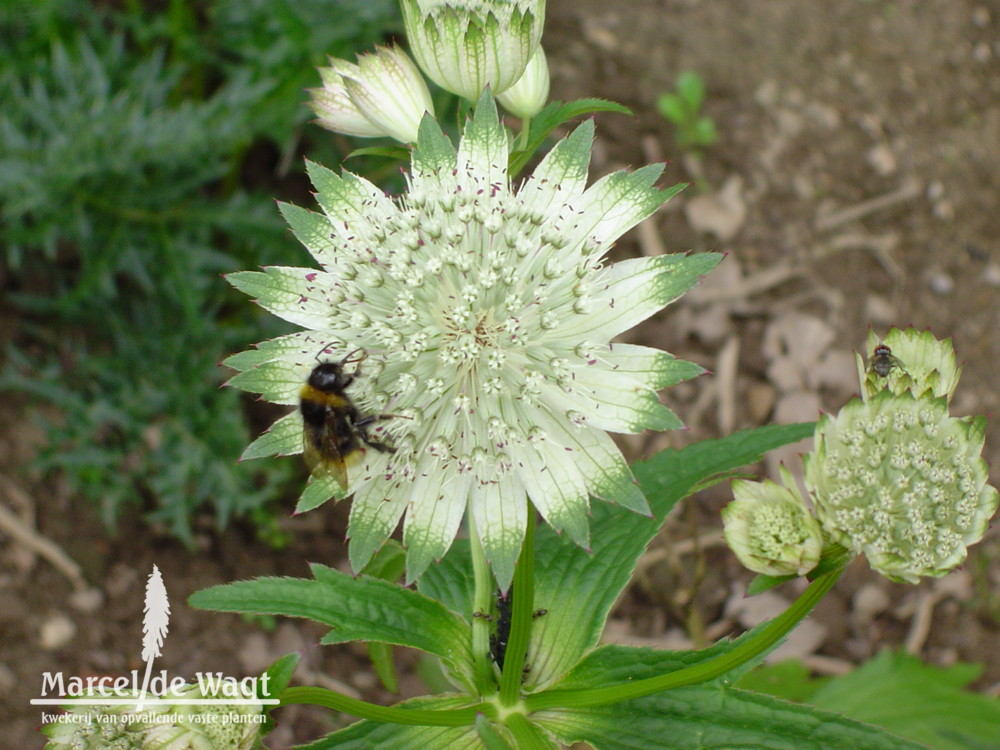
{"x": 926, "y": 366}
{"x": 486, "y": 314}
{"x": 898, "y": 479}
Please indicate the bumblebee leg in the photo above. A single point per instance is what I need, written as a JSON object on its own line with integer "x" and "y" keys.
{"x": 362, "y": 427}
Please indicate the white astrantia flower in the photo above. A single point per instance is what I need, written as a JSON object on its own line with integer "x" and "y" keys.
{"x": 898, "y": 479}
{"x": 466, "y": 45}
{"x": 383, "y": 95}
{"x": 770, "y": 528}
{"x": 527, "y": 97}
{"x": 486, "y": 316}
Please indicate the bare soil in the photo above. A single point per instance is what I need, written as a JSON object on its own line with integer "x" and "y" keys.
{"x": 854, "y": 184}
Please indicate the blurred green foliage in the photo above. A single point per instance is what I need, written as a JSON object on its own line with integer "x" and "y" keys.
{"x": 141, "y": 147}
{"x": 921, "y": 702}
{"x": 694, "y": 131}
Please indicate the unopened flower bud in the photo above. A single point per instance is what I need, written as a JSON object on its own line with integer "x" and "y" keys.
{"x": 383, "y": 95}
{"x": 527, "y": 97}
{"x": 769, "y": 528}
{"x": 466, "y": 45}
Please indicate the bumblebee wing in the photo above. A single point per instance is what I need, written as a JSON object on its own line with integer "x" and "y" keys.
{"x": 322, "y": 456}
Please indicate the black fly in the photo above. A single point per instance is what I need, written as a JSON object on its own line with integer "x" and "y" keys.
{"x": 882, "y": 361}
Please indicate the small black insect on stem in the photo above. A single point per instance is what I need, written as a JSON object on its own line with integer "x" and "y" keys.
{"x": 498, "y": 639}
{"x": 501, "y": 635}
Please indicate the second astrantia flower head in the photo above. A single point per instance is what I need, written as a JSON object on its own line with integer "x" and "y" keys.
{"x": 892, "y": 476}
{"x": 486, "y": 317}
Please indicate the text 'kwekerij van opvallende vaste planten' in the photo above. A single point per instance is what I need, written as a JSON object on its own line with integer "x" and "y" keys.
{"x": 457, "y": 370}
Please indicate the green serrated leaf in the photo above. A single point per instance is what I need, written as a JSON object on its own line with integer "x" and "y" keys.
{"x": 711, "y": 715}
{"x": 763, "y": 583}
{"x": 451, "y": 580}
{"x": 361, "y": 608}
{"x": 790, "y": 680}
{"x": 279, "y": 674}
{"x": 385, "y": 667}
{"x": 607, "y": 665}
{"x": 662, "y": 475}
{"x": 714, "y": 718}
{"x": 388, "y": 564}
{"x": 490, "y": 735}
{"x": 578, "y": 587}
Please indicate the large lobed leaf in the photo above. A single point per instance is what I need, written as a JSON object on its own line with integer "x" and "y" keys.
{"x": 577, "y": 587}
{"x": 919, "y": 701}
{"x": 702, "y": 717}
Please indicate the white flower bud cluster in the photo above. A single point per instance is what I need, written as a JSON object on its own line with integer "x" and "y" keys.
{"x": 464, "y": 46}
{"x": 892, "y": 476}
{"x": 916, "y": 362}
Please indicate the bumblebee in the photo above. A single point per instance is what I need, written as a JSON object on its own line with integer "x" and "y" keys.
{"x": 334, "y": 431}
{"x": 882, "y": 361}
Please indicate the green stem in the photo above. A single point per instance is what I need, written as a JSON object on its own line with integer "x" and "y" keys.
{"x": 482, "y": 603}
{"x": 522, "y": 139}
{"x": 315, "y": 696}
{"x": 710, "y": 669}
{"x": 528, "y": 735}
{"x": 523, "y": 591}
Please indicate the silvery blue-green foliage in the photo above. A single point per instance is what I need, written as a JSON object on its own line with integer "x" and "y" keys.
{"x": 280, "y": 43}
{"x": 94, "y": 150}
{"x": 127, "y": 142}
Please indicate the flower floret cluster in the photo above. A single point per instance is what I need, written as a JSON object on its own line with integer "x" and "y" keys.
{"x": 770, "y": 529}
{"x": 898, "y": 479}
